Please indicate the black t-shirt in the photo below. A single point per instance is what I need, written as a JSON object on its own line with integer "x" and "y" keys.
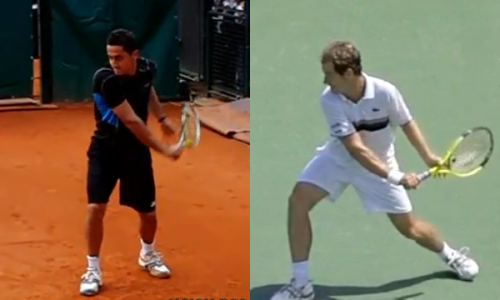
{"x": 109, "y": 91}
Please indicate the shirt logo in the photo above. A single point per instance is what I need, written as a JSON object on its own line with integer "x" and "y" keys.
{"x": 336, "y": 125}
{"x": 375, "y": 109}
{"x": 338, "y": 129}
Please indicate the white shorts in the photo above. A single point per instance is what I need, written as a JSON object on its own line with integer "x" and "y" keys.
{"x": 376, "y": 194}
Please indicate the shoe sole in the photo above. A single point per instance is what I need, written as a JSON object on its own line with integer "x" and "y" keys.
{"x": 90, "y": 293}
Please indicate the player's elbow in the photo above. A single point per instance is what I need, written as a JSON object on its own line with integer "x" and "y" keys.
{"x": 131, "y": 121}
{"x": 128, "y": 118}
{"x": 135, "y": 125}
{"x": 126, "y": 114}
{"x": 359, "y": 153}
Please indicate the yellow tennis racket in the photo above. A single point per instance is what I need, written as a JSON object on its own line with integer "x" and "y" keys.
{"x": 466, "y": 156}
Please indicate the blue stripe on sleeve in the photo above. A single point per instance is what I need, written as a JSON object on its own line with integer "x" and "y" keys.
{"x": 107, "y": 113}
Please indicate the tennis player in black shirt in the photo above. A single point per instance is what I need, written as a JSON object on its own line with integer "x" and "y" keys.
{"x": 120, "y": 150}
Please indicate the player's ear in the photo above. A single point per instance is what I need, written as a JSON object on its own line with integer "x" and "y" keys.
{"x": 136, "y": 54}
{"x": 349, "y": 73}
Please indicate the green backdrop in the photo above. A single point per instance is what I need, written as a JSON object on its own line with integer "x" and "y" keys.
{"x": 17, "y": 47}
{"x": 80, "y": 30}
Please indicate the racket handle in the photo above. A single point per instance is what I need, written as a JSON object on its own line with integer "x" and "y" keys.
{"x": 423, "y": 176}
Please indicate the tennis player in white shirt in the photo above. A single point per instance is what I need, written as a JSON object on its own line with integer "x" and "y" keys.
{"x": 362, "y": 114}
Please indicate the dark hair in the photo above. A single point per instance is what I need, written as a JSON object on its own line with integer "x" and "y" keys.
{"x": 343, "y": 55}
{"x": 124, "y": 38}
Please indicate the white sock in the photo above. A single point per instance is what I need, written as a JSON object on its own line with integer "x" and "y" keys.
{"x": 447, "y": 252}
{"x": 147, "y": 248}
{"x": 93, "y": 262}
{"x": 301, "y": 273}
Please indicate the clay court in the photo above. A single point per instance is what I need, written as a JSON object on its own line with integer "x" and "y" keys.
{"x": 203, "y": 207}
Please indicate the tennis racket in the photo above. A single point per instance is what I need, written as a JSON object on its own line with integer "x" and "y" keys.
{"x": 190, "y": 134}
{"x": 466, "y": 156}
{"x": 190, "y": 126}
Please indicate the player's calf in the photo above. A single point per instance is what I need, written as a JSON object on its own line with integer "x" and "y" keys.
{"x": 148, "y": 226}
{"x": 427, "y": 236}
{"x": 418, "y": 230}
{"x": 149, "y": 258}
{"x": 95, "y": 227}
{"x": 91, "y": 281}
{"x": 301, "y": 201}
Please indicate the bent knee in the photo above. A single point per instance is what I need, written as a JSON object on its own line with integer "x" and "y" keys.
{"x": 148, "y": 217}
{"x": 96, "y": 210}
{"x": 306, "y": 196}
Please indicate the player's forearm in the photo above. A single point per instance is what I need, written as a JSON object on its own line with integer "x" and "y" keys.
{"x": 155, "y": 106}
{"x": 416, "y": 138}
{"x": 370, "y": 161}
{"x": 144, "y": 135}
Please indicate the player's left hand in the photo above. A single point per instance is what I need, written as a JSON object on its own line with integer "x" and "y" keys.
{"x": 168, "y": 128}
{"x": 432, "y": 161}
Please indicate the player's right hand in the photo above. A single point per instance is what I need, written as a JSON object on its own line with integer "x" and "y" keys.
{"x": 410, "y": 181}
{"x": 173, "y": 152}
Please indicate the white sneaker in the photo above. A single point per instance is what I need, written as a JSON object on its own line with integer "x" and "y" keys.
{"x": 292, "y": 292}
{"x": 91, "y": 282}
{"x": 153, "y": 263}
{"x": 465, "y": 267}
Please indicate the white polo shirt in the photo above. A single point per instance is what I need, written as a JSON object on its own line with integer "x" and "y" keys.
{"x": 375, "y": 117}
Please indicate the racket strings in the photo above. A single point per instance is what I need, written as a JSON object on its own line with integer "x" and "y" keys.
{"x": 191, "y": 128}
{"x": 472, "y": 152}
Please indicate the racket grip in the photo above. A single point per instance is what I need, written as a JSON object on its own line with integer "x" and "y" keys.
{"x": 424, "y": 175}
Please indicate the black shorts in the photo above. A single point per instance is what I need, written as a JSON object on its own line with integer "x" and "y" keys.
{"x": 134, "y": 170}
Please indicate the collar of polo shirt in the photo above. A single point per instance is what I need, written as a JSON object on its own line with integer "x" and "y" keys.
{"x": 369, "y": 92}
{"x": 369, "y": 88}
